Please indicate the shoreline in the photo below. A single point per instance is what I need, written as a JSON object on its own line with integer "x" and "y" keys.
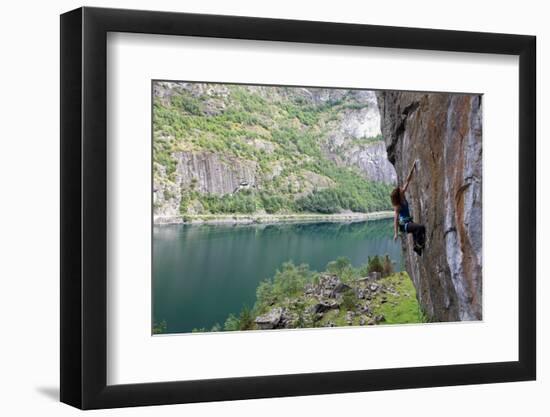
{"x": 230, "y": 219}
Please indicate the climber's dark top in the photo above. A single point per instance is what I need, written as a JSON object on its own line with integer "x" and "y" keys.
{"x": 404, "y": 213}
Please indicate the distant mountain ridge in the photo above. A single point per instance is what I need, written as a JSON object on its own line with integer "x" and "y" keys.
{"x": 221, "y": 148}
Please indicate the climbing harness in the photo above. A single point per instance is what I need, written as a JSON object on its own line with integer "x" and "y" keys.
{"x": 403, "y": 222}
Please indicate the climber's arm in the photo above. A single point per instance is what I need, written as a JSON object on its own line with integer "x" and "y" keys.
{"x": 409, "y": 177}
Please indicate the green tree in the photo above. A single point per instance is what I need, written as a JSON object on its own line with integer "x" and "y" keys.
{"x": 387, "y": 266}
{"x": 374, "y": 264}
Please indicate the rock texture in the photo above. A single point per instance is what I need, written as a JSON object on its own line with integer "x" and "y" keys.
{"x": 355, "y": 140}
{"x": 369, "y": 158}
{"x": 443, "y": 133}
{"x": 205, "y": 172}
{"x": 214, "y": 173}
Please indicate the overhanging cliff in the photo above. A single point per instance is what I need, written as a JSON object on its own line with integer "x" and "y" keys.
{"x": 443, "y": 133}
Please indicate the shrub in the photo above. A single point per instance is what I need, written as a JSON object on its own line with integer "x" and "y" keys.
{"x": 273, "y": 203}
{"x": 187, "y": 103}
{"x": 342, "y": 268}
{"x": 348, "y": 300}
{"x": 159, "y": 328}
{"x": 246, "y": 319}
{"x": 232, "y": 323}
{"x": 290, "y": 280}
{"x": 264, "y": 295}
{"x": 324, "y": 201}
{"x": 244, "y": 201}
{"x": 184, "y": 203}
{"x": 339, "y": 265}
{"x": 358, "y": 195}
{"x": 216, "y": 328}
{"x": 199, "y": 330}
{"x": 387, "y": 266}
{"x": 374, "y": 264}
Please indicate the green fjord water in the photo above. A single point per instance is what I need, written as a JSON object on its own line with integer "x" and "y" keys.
{"x": 202, "y": 273}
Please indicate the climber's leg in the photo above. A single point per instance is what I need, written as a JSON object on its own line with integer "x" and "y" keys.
{"x": 419, "y": 234}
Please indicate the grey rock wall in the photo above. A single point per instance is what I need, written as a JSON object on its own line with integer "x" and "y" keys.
{"x": 205, "y": 172}
{"x": 443, "y": 132}
{"x": 350, "y": 142}
{"x": 213, "y": 173}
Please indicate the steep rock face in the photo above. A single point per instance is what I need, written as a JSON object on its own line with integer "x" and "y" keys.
{"x": 371, "y": 160}
{"x": 205, "y": 172}
{"x": 212, "y": 173}
{"x": 354, "y": 140}
{"x": 362, "y": 122}
{"x": 443, "y": 133}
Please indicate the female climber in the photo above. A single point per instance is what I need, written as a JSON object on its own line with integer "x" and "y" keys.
{"x": 403, "y": 219}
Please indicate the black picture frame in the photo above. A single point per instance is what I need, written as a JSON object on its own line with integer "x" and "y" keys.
{"x": 84, "y": 207}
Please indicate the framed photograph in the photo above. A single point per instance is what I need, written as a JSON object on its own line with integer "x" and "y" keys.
{"x": 256, "y": 208}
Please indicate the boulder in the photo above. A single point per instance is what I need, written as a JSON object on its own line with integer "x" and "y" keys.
{"x": 328, "y": 281}
{"x": 269, "y": 320}
{"x": 379, "y": 318}
{"x": 375, "y": 275}
{"x": 349, "y": 317}
{"x": 324, "y": 306}
{"x": 340, "y": 288}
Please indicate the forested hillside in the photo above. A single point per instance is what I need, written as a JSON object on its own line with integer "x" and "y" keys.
{"x": 221, "y": 149}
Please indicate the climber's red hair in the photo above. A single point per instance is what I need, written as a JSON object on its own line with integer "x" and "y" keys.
{"x": 396, "y": 197}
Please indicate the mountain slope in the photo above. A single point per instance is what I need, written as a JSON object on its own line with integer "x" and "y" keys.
{"x": 249, "y": 149}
